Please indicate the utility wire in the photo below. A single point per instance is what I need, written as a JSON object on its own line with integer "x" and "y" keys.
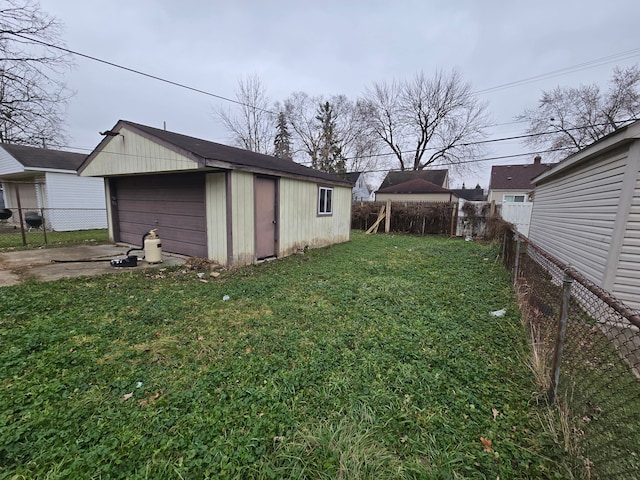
{"x": 581, "y": 66}
{"x": 585, "y": 65}
{"x": 138, "y": 72}
{"x": 555, "y": 73}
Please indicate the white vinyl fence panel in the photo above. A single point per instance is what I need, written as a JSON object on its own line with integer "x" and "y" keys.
{"x": 519, "y": 214}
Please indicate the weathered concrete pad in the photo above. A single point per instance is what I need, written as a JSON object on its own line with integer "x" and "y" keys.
{"x": 48, "y": 264}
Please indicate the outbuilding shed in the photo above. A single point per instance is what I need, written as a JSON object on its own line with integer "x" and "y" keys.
{"x": 210, "y": 200}
{"x": 586, "y": 212}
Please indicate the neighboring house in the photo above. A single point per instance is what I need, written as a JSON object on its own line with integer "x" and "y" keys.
{"x": 46, "y": 180}
{"x": 512, "y": 183}
{"x": 470, "y": 194}
{"x": 416, "y": 190}
{"x": 510, "y": 186}
{"x": 587, "y": 213}
{"x": 437, "y": 177}
{"x": 471, "y": 218}
{"x": 361, "y": 192}
{"x": 209, "y": 200}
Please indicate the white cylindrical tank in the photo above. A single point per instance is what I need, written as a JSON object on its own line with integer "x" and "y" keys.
{"x": 152, "y": 248}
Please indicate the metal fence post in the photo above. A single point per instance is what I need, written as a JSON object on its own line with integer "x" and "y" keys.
{"x": 562, "y": 330}
{"x": 517, "y": 261}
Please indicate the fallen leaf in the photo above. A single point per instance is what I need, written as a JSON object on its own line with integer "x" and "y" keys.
{"x": 248, "y": 350}
{"x": 147, "y": 401}
{"x": 487, "y": 444}
{"x": 495, "y": 413}
{"x": 127, "y": 396}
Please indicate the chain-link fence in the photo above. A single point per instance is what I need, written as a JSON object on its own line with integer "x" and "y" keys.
{"x": 21, "y": 221}
{"x": 586, "y": 353}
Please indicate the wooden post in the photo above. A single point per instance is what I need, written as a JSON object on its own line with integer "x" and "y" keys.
{"x": 378, "y": 221}
{"x": 562, "y": 331}
{"x": 387, "y": 221}
{"x": 453, "y": 219}
{"x": 44, "y": 225}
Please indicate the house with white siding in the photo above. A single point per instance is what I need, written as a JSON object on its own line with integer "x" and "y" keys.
{"x": 214, "y": 201}
{"x": 361, "y": 192}
{"x": 586, "y": 212}
{"x": 41, "y": 180}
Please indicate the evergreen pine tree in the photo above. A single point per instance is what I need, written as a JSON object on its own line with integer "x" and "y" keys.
{"x": 282, "y": 140}
{"x": 330, "y": 157}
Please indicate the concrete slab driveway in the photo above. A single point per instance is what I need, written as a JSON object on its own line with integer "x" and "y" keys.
{"x": 55, "y": 263}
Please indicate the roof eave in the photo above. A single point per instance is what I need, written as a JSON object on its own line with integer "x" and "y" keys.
{"x": 617, "y": 139}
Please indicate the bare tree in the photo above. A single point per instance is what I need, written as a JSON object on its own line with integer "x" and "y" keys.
{"x": 253, "y": 123}
{"x": 425, "y": 121}
{"x": 300, "y": 110}
{"x": 568, "y": 119}
{"x": 349, "y": 132}
{"x": 33, "y": 94}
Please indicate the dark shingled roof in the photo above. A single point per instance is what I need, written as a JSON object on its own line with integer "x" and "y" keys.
{"x": 470, "y": 194}
{"x": 33, "y": 157}
{"x": 417, "y": 185}
{"x": 207, "y": 150}
{"x": 351, "y": 176}
{"x": 436, "y": 177}
{"x": 515, "y": 177}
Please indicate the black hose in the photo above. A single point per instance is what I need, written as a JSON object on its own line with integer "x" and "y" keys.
{"x": 82, "y": 260}
{"x": 136, "y": 248}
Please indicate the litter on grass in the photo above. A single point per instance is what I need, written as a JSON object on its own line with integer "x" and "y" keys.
{"x": 499, "y": 313}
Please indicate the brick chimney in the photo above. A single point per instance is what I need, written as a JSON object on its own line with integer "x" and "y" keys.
{"x": 537, "y": 160}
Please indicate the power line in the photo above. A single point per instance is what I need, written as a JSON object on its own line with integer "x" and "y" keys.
{"x": 596, "y": 62}
{"x": 578, "y": 67}
{"x": 556, "y": 73}
{"x": 139, "y": 72}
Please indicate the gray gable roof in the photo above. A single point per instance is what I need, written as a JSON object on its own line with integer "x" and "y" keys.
{"x": 470, "y": 194}
{"x": 205, "y": 150}
{"x": 33, "y": 157}
{"x": 515, "y": 177}
{"x": 417, "y": 185}
{"x": 436, "y": 177}
{"x": 351, "y": 176}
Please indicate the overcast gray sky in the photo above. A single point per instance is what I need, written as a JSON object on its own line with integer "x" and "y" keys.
{"x": 331, "y": 47}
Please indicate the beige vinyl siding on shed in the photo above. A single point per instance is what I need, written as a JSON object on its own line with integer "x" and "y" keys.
{"x": 131, "y": 153}
{"x": 627, "y": 281}
{"x": 574, "y": 215}
{"x": 215, "y": 186}
{"x": 243, "y": 217}
{"x": 300, "y": 224}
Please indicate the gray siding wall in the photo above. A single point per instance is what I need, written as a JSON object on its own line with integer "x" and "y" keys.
{"x": 574, "y": 215}
{"x": 626, "y": 285}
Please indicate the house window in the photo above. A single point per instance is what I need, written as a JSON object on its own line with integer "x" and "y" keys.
{"x": 514, "y": 198}
{"x": 325, "y": 201}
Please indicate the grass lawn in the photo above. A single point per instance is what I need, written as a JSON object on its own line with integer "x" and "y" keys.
{"x": 375, "y": 359}
{"x": 12, "y": 239}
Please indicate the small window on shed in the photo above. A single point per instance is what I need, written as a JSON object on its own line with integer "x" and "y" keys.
{"x": 325, "y": 201}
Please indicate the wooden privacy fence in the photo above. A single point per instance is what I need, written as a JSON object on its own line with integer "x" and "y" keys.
{"x": 420, "y": 218}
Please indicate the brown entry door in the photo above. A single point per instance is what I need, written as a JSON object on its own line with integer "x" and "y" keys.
{"x": 266, "y": 217}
